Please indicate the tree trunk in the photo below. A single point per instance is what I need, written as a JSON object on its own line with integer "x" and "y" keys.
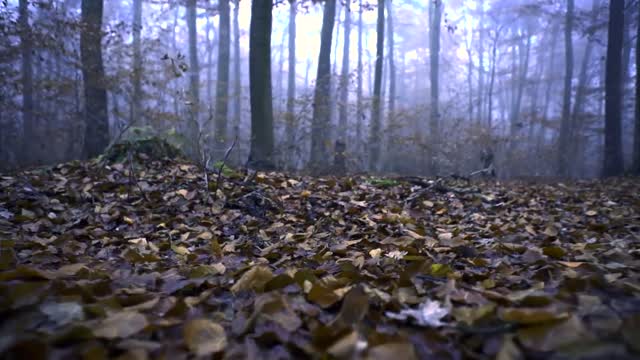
{"x": 492, "y": 80}
{"x": 565, "y": 125}
{"x": 237, "y": 75}
{"x": 96, "y": 137}
{"x": 613, "y": 161}
{"x": 322, "y": 110}
{"x": 392, "y": 63}
{"x": 435, "y": 13}
{"x": 375, "y": 138}
{"x": 344, "y": 74}
{"x": 636, "y": 143}
{"x": 291, "y": 87}
{"x": 359, "y": 105}
{"x": 261, "y": 153}
{"x": 29, "y": 137}
{"x": 194, "y": 81}
{"x": 581, "y": 94}
{"x": 136, "y": 99}
{"x": 341, "y": 142}
{"x": 481, "y": 108}
{"x": 222, "y": 83}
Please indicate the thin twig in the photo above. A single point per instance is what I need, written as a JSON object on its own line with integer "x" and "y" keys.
{"x": 224, "y": 161}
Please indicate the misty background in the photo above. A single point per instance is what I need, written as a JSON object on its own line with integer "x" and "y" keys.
{"x": 402, "y": 86}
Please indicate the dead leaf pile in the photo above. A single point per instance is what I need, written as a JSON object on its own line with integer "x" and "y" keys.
{"x": 276, "y": 266}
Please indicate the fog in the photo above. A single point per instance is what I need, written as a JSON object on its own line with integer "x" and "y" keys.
{"x": 509, "y": 88}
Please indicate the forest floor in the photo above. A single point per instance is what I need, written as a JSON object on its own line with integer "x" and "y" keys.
{"x": 98, "y": 263}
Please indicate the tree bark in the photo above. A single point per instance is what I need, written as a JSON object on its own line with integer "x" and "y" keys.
{"x": 375, "y": 138}
{"x": 261, "y": 153}
{"x": 136, "y": 99}
{"x": 435, "y": 13}
{"x": 565, "y": 125}
{"x": 222, "y": 83}
{"x": 29, "y": 138}
{"x": 291, "y": 86}
{"x": 194, "y": 81}
{"x": 96, "y": 137}
{"x": 321, "y": 99}
{"x": 613, "y": 161}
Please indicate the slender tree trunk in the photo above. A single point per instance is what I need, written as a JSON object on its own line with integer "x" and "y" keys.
{"x": 261, "y": 153}
{"x": 174, "y": 49}
{"x": 322, "y": 110}
{"x": 359, "y": 105}
{"x": 613, "y": 160}
{"x": 96, "y": 136}
{"x": 636, "y": 140}
{"x": 136, "y": 99}
{"x": 374, "y": 141}
{"x": 470, "y": 77}
{"x": 222, "y": 83}
{"x": 28, "y": 122}
{"x": 565, "y": 125}
{"x": 344, "y": 74}
{"x": 237, "y": 75}
{"x": 341, "y": 142}
{"x": 194, "y": 80}
{"x": 436, "y": 8}
{"x": 211, "y": 39}
{"x": 392, "y": 63}
{"x": 481, "y": 90}
{"x": 581, "y": 92}
{"x": 492, "y": 80}
{"x": 291, "y": 87}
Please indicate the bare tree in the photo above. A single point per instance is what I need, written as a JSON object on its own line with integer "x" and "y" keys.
{"x": 136, "y": 75}
{"x": 96, "y": 137}
{"x": 291, "y": 86}
{"x": 375, "y": 138}
{"x": 565, "y": 125}
{"x": 261, "y": 153}
{"x": 321, "y": 99}
{"x": 194, "y": 78}
{"x": 222, "y": 83}
{"x": 26, "y": 49}
{"x": 435, "y": 17}
{"x": 613, "y": 161}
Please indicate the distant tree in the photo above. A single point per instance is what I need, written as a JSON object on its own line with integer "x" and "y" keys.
{"x": 359, "y": 104}
{"x": 636, "y": 141}
{"x": 291, "y": 83}
{"x": 344, "y": 92}
{"x": 194, "y": 78}
{"x": 261, "y": 153}
{"x": 392, "y": 62}
{"x": 565, "y": 124}
{"x": 222, "y": 84}
{"x": 26, "y": 47}
{"x": 435, "y": 17}
{"x": 136, "y": 78}
{"x": 319, "y": 161}
{"x": 237, "y": 75}
{"x": 96, "y": 137}
{"x": 613, "y": 160}
{"x": 375, "y": 137}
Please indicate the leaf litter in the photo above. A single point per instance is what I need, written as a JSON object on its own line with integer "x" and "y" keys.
{"x": 281, "y": 266}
